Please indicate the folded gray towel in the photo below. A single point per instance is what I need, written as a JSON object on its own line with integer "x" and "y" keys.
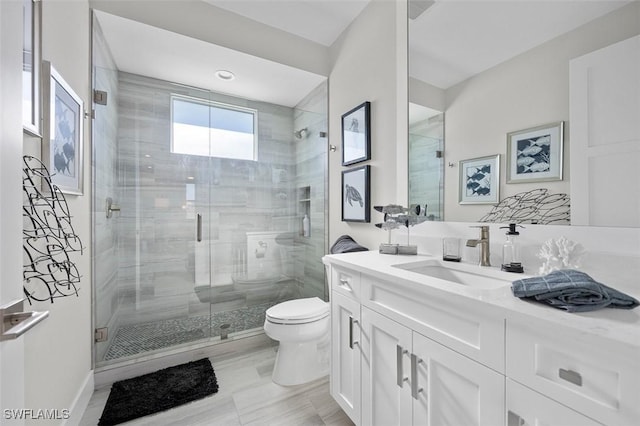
{"x": 573, "y": 291}
{"x": 346, "y": 244}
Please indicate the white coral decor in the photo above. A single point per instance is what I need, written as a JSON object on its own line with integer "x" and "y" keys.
{"x": 560, "y": 253}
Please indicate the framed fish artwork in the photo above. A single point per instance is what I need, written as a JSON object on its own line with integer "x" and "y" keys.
{"x": 356, "y": 134}
{"x": 535, "y": 154}
{"x": 356, "y": 194}
{"x": 63, "y": 113}
{"x": 480, "y": 180}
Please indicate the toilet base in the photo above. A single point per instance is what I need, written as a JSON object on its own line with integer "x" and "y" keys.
{"x": 298, "y": 363}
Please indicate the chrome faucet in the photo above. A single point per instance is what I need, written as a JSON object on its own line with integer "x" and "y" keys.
{"x": 484, "y": 245}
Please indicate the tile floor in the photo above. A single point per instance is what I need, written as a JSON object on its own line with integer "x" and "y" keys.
{"x": 247, "y": 396}
{"x": 136, "y": 339}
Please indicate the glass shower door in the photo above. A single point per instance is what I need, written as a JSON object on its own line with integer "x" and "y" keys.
{"x": 155, "y": 294}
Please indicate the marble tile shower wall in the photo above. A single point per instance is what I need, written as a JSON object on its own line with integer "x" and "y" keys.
{"x": 156, "y": 235}
{"x": 311, "y": 171}
{"x": 426, "y": 185}
{"x": 104, "y": 129}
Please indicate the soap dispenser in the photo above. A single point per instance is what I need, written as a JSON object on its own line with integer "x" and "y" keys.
{"x": 511, "y": 261}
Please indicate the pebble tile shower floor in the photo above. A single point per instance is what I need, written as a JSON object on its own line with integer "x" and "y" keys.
{"x": 139, "y": 338}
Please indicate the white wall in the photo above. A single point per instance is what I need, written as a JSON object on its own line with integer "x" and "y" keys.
{"x": 11, "y": 351}
{"x": 58, "y": 351}
{"x": 369, "y": 64}
{"x": 529, "y": 90}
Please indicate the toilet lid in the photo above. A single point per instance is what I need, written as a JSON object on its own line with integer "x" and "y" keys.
{"x": 299, "y": 310}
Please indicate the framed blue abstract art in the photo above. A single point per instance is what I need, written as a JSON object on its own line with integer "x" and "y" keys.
{"x": 480, "y": 180}
{"x": 535, "y": 154}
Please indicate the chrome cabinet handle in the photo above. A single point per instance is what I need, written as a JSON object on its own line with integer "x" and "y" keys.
{"x": 414, "y": 376}
{"x": 570, "y": 376}
{"x": 351, "y": 323}
{"x": 400, "y": 379}
{"x": 198, "y": 227}
{"x": 345, "y": 283}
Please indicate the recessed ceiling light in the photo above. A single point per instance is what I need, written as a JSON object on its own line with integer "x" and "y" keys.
{"x": 147, "y": 155}
{"x": 225, "y": 75}
{"x": 190, "y": 177}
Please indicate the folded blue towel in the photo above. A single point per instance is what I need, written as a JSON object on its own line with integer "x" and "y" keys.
{"x": 573, "y": 291}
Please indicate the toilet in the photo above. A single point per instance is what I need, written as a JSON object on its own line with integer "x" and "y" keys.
{"x": 302, "y": 328}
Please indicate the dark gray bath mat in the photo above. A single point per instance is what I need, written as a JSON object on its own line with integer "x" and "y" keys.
{"x": 159, "y": 391}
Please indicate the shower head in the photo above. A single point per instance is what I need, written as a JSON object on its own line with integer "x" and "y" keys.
{"x": 300, "y": 133}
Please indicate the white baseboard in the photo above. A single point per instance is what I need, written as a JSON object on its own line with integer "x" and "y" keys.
{"x": 81, "y": 401}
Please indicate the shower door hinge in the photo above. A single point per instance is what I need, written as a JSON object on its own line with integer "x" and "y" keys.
{"x": 101, "y": 334}
{"x": 100, "y": 97}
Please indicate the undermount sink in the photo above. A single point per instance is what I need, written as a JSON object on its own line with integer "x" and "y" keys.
{"x": 462, "y": 273}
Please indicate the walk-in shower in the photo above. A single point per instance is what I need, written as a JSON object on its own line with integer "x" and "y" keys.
{"x": 198, "y": 201}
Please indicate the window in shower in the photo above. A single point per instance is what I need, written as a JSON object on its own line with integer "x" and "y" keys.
{"x": 213, "y": 129}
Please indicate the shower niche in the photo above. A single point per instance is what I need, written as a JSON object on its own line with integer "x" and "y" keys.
{"x": 304, "y": 211}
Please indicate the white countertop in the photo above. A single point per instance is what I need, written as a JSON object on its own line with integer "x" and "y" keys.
{"x": 619, "y": 325}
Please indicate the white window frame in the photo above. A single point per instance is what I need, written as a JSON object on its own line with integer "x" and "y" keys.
{"x": 221, "y": 105}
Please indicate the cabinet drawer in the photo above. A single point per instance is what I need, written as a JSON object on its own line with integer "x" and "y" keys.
{"x": 345, "y": 281}
{"x": 464, "y": 325}
{"x": 528, "y": 407}
{"x": 586, "y": 373}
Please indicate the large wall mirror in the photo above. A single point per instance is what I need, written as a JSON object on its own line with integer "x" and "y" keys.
{"x": 482, "y": 71}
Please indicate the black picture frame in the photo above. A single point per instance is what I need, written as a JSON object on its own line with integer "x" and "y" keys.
{"x": 356, "y": 134}
{"x": 356, "y": 194}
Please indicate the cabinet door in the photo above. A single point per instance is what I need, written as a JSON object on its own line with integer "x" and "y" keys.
{"x": 526, "y": 407}
{"x": 386, "y": 392}
{"x": 452, "y": 389}
{"x": 346, "y": 354}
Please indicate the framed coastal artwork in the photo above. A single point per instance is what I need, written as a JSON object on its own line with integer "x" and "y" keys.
{"x": 63, "y": 113}
{"x": 480, "y": 180}
{"x": 356, "y": 198}
{"x": 535, "y": 154}
{"x": 356, "y": 134}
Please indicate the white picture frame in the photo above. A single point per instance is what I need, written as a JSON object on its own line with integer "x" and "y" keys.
{"x": 479, "y": 181}
{"x": 62, "y": 133}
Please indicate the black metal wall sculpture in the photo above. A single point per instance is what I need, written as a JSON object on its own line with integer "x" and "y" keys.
{"x": 535, "y": 206}
{"x": 48, "y": 237}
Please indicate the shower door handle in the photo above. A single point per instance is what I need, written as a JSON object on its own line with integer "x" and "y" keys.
{"x": 198, "y": 227}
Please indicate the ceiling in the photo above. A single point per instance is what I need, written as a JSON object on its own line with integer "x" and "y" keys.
{"x": 451, "y": 41}
{"x": 321, "y": 21}
{"x": 150, "y": 51}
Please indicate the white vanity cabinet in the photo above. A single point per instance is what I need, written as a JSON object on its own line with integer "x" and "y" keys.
{"x": 384, "y": 372}
{"x": 408, "y": 351}
{"x": 386, "y": 382}
{"x": 410, "y": 379}
{"x": 591, "y": 375}
{"x": 346, "y": 353}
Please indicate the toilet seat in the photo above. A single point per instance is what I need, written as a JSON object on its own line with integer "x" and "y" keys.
{"x": 298, "y": 311}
